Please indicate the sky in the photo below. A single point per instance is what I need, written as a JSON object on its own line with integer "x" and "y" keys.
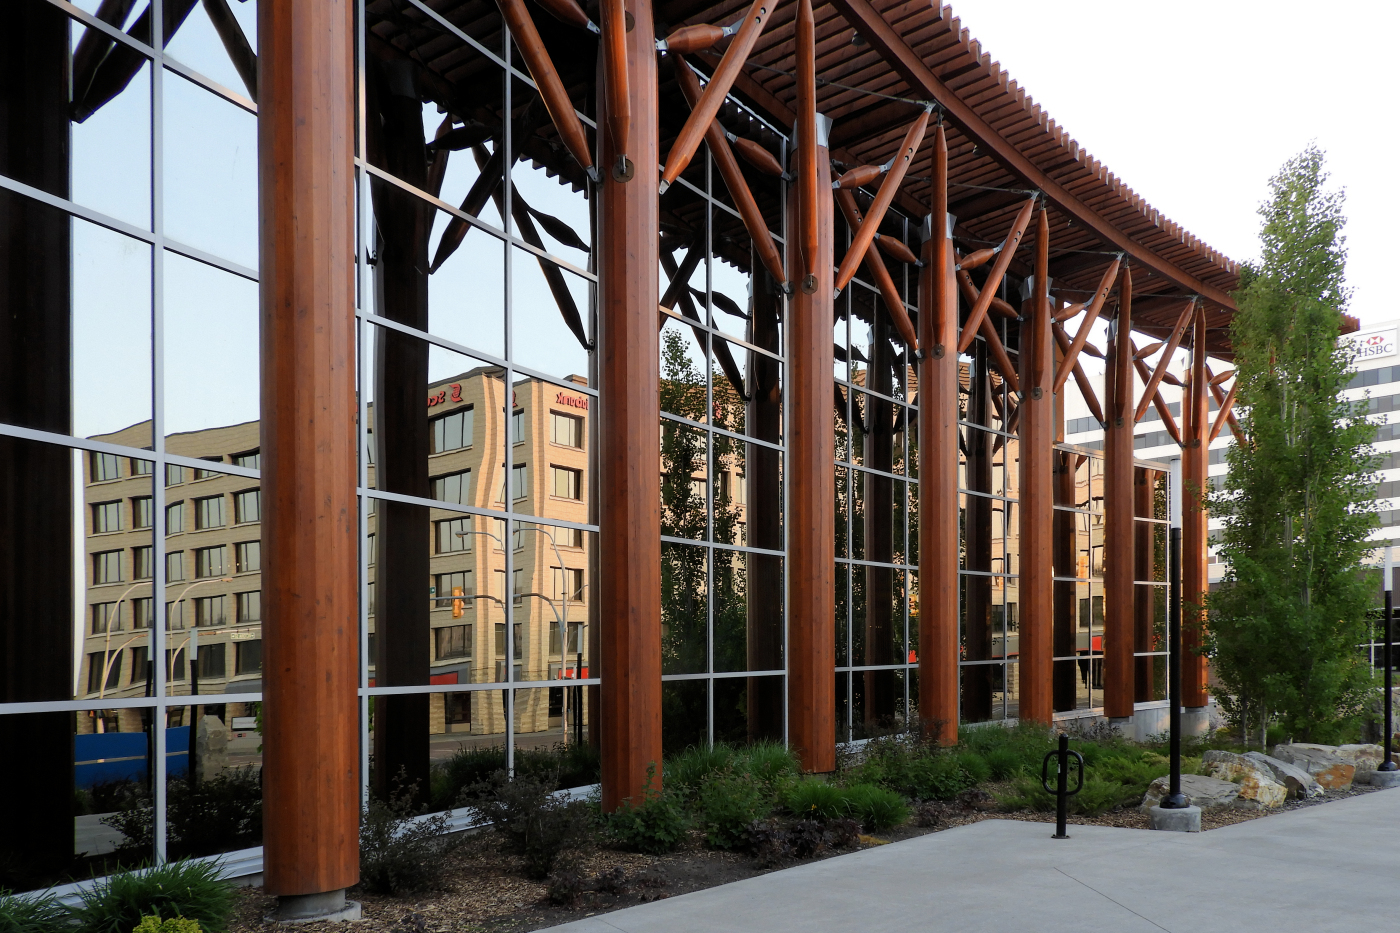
{"x": 1196, "y": 105}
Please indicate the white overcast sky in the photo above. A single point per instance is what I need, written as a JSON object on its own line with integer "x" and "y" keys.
{"x": 1196, "y": 104}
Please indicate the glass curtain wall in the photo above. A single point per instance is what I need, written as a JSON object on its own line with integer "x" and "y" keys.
{"x": 1150, "y": 648}
{"x": 722, "y": 453}
{"x": 989, "y": 476}
{"x": 129, "y": 568}
{"x": 1078, "y": 544}
{"x": 476, "y": 318}
{"x": 877, "y": 497}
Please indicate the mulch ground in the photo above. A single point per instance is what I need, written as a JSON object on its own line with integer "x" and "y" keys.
{"x": 488, "y": 893}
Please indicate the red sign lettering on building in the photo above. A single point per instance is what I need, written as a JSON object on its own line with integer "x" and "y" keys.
{"x": 572, "y": 401}
{"x": 441, "y": 397}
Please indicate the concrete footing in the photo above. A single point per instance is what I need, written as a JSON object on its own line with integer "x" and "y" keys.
{"x": 1385, "y": 778}
{"x": 310, "y": 908}
{"x": 1186, "y": 820}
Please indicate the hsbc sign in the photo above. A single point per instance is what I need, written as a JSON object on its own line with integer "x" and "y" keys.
{"x": 1375, "y": 345}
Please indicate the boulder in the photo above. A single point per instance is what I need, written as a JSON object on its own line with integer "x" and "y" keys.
{"x": 1321, "y": 761}
{"x": 1258, "y": 789}
{"x": 1367, "y": 758}
{"x": 1204, "y": 792}
{"x": 211, "y": 747}
{"x": 1300, "y": 783}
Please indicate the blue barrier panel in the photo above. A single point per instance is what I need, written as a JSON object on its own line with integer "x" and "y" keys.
{"x": 105, "y": 757}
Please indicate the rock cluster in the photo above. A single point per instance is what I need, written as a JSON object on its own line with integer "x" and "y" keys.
{"x": 1257, "y": 787}
{"x": 1334, "y": 767}
{"x": 1207, "y": 793}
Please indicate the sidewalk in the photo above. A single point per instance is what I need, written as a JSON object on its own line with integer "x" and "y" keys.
{"x": 1330, "y": 867}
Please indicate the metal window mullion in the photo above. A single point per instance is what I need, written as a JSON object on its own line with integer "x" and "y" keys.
{"x": 508, "y": 405}
{"x": 710, "y": 460}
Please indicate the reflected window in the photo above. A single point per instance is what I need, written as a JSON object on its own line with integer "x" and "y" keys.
{"x": 106, "y": 517}
{"x": 249, "y": 606}
{"x": 142, "y": 563}
{"x": 137, "y": 670}
{"x": 209, "y": 562}
{"x": 209, "y": 512}
{"x": 453, "y": 487}
{"x": 568, "y": 580}
{"x": 141, "y": 512}
{"x": 107, "y": 567}
{"x": 210, "y": 611}
{"x": 175, "y": 566}
{"x": 454, "y": 591}
{"x": 105, "y": 467}
{"x": 247, "y": 656}
{"x": 454, "y": 534}
{"x": 251, "y": 460}
{"x": 565, "y": 483}
{"x": 175, "y": 518}
{"x": 517, "y": 426}
{"x": 175, "y": 664}
{"x": 452, "y": 432}
{"x": 207, "y": 474}
{"x": 105, "y": 618}
{"x": 565, "y": 430}
{"x": 103, "y": 665}
{"x": 141, "y": 467}
{"x": 175, "y": 615}
{"x": 211, "y": 662}
{"x": 247, "y": 556}
{"x": 453, "y": 641}
{"x": 247, "y": 506}
{"x": 517, "y": 585}
{"x": 518, "y": 482}
{"x": 174, "y": 474}
{"x": 143, "y": 610}
{"x": 501, "y": 643}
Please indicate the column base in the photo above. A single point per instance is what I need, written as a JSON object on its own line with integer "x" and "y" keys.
{"x": 1385, "y": 778}
{"x": 1195, "y": 720}
{"x": 1123, "y": 725}
{"x": 1185, "y": 820}
{"x": 310, "y": 908}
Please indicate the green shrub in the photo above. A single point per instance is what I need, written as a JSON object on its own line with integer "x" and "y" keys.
{"x": 770, "y": 762}
{"x": 401, "y": 852}
{"x": 32, "y": 913}
{"x": 655, "y": 825}
{"x": 877, "y": 808}
{"x": 817, "y": 798}
{"x": 153, "y": 924}
{"x": 531, "y": 821}
{"x": 467, "y": 768}
{"x": 192, "y": 890}
{"x": 686, "y": 771}
{"x": 216, "y": 815}
{"x": 1004, "y": 763}
{"x": 727, "y": 803}
{"x": 974, "y": 766}
{"x": 937, "y": 777}
{"x": 571, "y": 764}
{"x": 1099, "y": 795}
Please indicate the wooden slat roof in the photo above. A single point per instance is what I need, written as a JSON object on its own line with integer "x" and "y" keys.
{"x": 872, "y": 81}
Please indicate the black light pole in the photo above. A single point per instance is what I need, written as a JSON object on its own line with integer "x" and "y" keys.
{"x": 1175, "y": 799}
{"x": 1388, "y": 763}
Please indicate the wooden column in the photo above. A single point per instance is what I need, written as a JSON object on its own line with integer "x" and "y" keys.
{"x": 1144, "y": 604}
{"x": 812, "y": 479}
{"x": 629, "y": 449}
{"x": 1037, "y": 438}
{"x": 1195, "y": 458}
{"x": 311, "y": 732}
{"x": 938, "y": 469}
{"x": 1119, "y": 537}
{"x": 36, "y": 479}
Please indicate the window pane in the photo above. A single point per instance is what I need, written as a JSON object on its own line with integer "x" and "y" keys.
{"x": 211, "y": 350}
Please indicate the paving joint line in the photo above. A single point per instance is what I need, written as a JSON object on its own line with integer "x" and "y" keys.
{"x": 1111, "y": 900}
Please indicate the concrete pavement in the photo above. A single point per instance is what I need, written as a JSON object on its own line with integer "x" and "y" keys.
{"x": 1328, "y": 867}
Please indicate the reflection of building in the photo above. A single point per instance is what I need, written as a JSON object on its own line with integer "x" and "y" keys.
{"x": 213, "y": 590}
{"x": 213, "y": 557}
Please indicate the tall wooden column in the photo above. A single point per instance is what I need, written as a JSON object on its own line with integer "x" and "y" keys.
{"x": 629, "y": 459}
{"x": 1118, "y": 509}
{"x": 1195, "y": 459}
{"x": 307, "y": 248}
{"x": 1037, "y": 489}
{"x": 938, "y": 469}
{"x": 812, "y": 481}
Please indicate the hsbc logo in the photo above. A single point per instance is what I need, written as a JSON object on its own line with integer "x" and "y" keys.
{"x": 1375, "y": 345}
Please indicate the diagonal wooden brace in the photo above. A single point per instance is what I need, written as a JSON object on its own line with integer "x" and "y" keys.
{"x": 1172, "y": 343}
{"x": 893, "y": 303}
{"x": 1157, "y": 400}
{"x": 984, "y": 299}
{"x": 1081, "y": 379}
{"x": 1081, "y": 337}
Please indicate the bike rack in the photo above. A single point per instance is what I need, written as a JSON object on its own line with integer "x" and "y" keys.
{"x": 1061, "y": 756}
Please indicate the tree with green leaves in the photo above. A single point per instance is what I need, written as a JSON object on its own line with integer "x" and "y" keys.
{"x": 1285, "y": 625}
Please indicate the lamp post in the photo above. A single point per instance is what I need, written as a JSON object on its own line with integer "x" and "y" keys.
{"x": 1388, "y": 774}
{"x": 1175, "y": 812}
{"x": 107, "y": 642}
